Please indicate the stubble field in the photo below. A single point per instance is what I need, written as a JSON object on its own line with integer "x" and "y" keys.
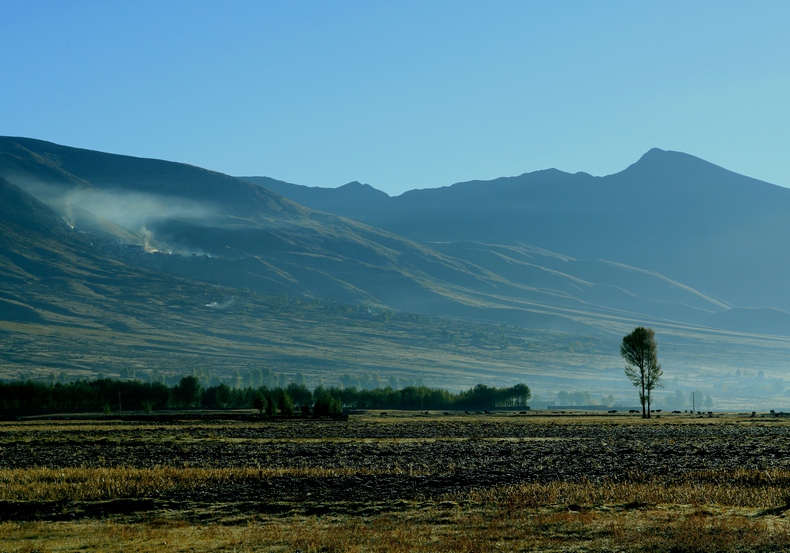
{"x": 399, "y": 482}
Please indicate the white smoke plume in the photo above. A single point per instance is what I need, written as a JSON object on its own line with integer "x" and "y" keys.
{"x": 148, "y": 237}
{"x": 224, "y": 304}
{"x": 129, "y": 210}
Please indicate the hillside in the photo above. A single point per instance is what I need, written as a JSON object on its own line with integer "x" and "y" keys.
{"x": 118, "y": 265}
{"x": 211, "y": 227}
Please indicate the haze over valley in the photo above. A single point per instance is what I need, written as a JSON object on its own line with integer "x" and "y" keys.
{"x": 133, "y": 267}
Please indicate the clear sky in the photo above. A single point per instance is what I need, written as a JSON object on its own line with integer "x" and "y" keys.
{"x": 403, "y": 94}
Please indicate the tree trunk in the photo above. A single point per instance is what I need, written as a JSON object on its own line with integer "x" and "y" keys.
{"x": 643, "y": 397}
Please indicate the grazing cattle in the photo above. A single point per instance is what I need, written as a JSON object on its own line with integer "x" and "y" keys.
{"x": 676, "y": 412}
{"x": 613, "y": 411}
{"x": 633, "y": 411}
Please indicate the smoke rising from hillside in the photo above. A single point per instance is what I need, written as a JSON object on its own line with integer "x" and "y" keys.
{"x": 223, "y": 304}
{"x": 129, "y": 210}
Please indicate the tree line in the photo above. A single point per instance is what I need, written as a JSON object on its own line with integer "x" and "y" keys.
{"x": 114, "y": 396}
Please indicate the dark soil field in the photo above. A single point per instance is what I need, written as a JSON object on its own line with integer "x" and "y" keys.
{"x": 242, "y": 474}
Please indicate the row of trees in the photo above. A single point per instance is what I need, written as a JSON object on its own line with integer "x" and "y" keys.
{"x": 110, "y": 395}
{"x": 257, "y": 378}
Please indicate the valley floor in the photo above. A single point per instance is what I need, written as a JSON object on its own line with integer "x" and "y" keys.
{"x": 398, "y": 482}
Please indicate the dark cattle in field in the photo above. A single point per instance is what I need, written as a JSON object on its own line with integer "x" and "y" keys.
{"x": 613, "y": 411}
{"x": 633, "y": 411}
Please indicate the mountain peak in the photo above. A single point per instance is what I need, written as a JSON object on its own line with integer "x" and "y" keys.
{"x": 356, "y": 187}
{"x": 668, "y": 163}
{"x": 657, "y": 155}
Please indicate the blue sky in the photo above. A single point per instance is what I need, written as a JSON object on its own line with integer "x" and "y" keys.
{"x": 403, "y": 94}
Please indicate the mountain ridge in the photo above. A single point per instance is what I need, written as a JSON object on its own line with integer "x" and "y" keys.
{"x": 670, "y": 212}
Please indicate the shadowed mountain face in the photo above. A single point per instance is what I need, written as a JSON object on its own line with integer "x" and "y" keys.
{"x": 694, "y": 222}
{"x": 181, "y": 220}
{"x": 622, "y": 237}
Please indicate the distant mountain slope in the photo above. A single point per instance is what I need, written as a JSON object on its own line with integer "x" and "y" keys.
{"x": 27, "y": 161}
{"x": 692, "y": 221}
{"x": 181, "y": 220}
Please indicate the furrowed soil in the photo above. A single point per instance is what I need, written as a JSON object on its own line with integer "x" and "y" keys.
{"x": 400, "y": 482}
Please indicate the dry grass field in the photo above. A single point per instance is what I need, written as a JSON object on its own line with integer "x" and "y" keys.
{"x": 399, "y": 482}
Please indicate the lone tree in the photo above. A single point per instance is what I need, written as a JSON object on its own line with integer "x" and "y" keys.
{"x": 640, "y": 352}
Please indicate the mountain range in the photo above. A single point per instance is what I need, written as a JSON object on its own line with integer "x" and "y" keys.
{"x": 714, "y": 230}
{"x": 672, "y": 241}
